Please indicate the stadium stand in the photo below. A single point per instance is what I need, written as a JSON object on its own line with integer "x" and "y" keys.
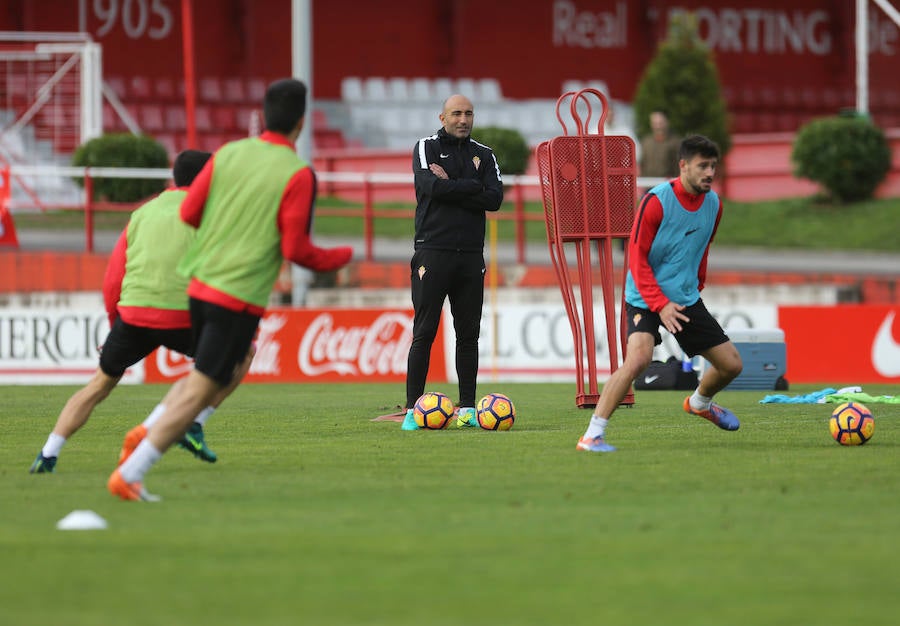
{"x": 420, "y": 90}
{"x": 175, "y": 118}
{"x": 139, "y": 88}
{"x": 164, "y": 90}
{"x": 150, "y": 117}
{"x": 394, "y": 112}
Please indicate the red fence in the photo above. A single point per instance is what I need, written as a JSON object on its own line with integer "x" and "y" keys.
{"x": 757, "y": 168}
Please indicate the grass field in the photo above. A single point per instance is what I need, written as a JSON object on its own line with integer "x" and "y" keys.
{"x": 316, "y": 515}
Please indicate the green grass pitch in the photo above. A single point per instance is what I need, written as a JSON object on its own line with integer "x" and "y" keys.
{"x": 316, "y": 515}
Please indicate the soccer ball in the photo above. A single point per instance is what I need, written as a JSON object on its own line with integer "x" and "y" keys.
{"x": 851, "y": 424}
{"x": 495, "y": 412}
{"x": 433, "y": 410}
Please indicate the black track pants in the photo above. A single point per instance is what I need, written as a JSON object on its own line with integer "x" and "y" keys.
{"x": 435, "y": 276}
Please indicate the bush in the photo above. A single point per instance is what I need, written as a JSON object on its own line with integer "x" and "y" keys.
{"x": 123, "y": 150}
{"x": 683, "y": 81}
{"x": 509, "y": 146}
{"x": 848, "y": 156}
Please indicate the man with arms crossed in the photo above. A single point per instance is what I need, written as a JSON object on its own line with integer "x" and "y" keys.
{"x": 457, "y": 180}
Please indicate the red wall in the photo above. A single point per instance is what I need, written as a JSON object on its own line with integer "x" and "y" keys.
{"x": 143, "y": 37}
{"x": 783, "y": 45}
{"x": 866, "y": 349}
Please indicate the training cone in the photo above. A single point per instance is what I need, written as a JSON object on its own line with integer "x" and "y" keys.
{"x": 81, "y": 520}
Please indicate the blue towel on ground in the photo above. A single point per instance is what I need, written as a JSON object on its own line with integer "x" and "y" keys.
{"x": 816, "y": 397}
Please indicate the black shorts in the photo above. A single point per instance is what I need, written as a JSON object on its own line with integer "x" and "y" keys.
{"x": 126, "y": 344}
{"x": 222, "y": 339}
{"x": 701, "y": 333}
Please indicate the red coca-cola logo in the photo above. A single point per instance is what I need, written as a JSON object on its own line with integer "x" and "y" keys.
{"x": 379, "y": 348}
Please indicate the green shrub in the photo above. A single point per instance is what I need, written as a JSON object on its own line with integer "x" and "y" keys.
{"x": 683, "y": 81}
{"x": 123, "y": 150}
{"x": 848, "y": 156}
{"x": 509, "y": 146}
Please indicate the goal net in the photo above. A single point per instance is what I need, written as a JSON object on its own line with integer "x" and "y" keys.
{"x": 50, "y": 103}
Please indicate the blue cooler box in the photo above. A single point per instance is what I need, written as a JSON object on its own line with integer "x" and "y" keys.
{"x": 764, "y": 354}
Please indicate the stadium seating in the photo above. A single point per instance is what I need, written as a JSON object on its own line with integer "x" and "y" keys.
{"x": 150, "y": 118}
{"x": 375, "y": 89}
{"x": 397, "y": 89}
{"x": 117, "y": 84}
{"x": 578, "y": 85}
{"x": 420, "y": 90}
{"x": 233, "y": 90}
{"x": 256, "y": 90}
{"x": 139, "y": 88}
{"x": 164, "y": 90}
{"x": 224, "y": 119}
{"x": 175, "y": 118}
{"x": 442, "y": 87}
{"x": 228, "y": 107}
{"x": 468, "y": 87}
{"x": 351, "y": 89}
{"x": 169, "y": 141}
{"x": 490, "y": 90}
{"x": 203, "y": 119}
{"x": 210, "y": 90}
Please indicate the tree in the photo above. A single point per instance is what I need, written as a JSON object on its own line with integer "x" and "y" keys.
{"x": 123, "y": 150}
{"x": 509, "y": 147}
{"x": 847, "y": 154}
{"x": 682, "y": 80}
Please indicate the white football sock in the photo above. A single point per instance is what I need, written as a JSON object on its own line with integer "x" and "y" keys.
{"x": 139, "y": 463}
{"x": 53, "y": 446}
{"x": 204, "y": 415}
{"x": 597, "y": 427}
{"x": 154, "y": 415}
{"x": 699, "y": 402}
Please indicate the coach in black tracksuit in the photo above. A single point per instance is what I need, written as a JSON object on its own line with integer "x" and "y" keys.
{"x": 457, "y": 179}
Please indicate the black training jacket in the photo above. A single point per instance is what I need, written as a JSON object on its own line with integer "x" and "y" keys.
{"x": 450, "y": 213}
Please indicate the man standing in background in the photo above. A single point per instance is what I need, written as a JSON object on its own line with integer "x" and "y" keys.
{"x": 659, "y": 149}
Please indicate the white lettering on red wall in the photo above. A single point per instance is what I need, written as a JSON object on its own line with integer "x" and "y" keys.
{"x": 267, "y": 360}
{"x": 762, "y": 30}
{"x": 883, "y": 34}
{"x": 575, "y": 27}
{"x": 136, "y": 18}
{"x": 322, "y": 345}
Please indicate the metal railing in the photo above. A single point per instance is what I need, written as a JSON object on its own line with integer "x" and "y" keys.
{"x": 364, "y": 186}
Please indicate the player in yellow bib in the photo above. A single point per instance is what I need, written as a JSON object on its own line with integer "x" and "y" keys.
{"x": 252, "y": 207}
{"x": 147, "y": 304}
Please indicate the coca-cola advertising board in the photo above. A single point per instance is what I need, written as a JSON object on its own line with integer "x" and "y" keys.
{"x": 322, "y": 345}
{"x": 849, "y": 343}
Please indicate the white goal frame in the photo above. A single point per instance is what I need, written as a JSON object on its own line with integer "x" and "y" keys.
{"x": 71, "y": 52}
